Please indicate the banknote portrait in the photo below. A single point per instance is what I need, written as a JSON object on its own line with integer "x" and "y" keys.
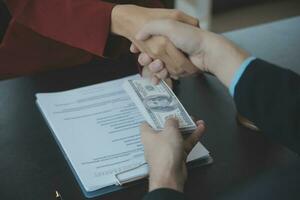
{"x": 160, "y": 103}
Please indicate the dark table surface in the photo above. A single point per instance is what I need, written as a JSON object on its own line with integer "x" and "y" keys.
{"x": 32, "y": 166}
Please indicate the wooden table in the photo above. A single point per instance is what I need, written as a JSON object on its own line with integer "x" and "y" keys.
{"x": 32, "y": 166}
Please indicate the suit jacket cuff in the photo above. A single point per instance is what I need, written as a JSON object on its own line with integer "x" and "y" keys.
{"x": 164, "y": 194}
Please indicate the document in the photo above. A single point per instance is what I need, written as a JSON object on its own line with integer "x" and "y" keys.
{"x": 97, "y": 128}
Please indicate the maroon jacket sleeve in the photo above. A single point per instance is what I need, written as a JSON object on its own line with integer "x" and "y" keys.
{"x": 48, "y": 34}
{"x": 83, "y": 24}
{"x": 156, "y": 4}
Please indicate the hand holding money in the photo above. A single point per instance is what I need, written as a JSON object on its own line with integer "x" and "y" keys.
{"x": 158, "y": 103}
{"x": 165, "y": 148}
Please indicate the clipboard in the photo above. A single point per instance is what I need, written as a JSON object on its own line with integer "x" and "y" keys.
{"x": 121, "y": 184}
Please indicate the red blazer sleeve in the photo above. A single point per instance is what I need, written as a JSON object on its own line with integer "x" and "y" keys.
{"x": 83, "y": 24}
{"x": 155, "y": 4}
{"x": 48, "y": 34}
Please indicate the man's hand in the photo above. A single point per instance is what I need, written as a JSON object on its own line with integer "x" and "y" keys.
{"x": 166, "y": 154}
{"x": 208, "y": 51}
{"x": 127, "y": 20}
{"x": 165, "y": 55}
{"x": 151, "y": 76}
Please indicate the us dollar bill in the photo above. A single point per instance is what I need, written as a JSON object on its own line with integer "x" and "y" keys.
{"x": 157, "y": 103}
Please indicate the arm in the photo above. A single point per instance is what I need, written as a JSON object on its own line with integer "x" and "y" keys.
{"x": 164, "y": 194}
{"x": 266, "y": 94}
{"x": 59, "y": 33}
{"x": 77, "y": 23}
{"x": 86, "y": 24}
{"x": 272, "y": 103}
{"x": 166, "y": 153}
{"x": 83, "y": 24}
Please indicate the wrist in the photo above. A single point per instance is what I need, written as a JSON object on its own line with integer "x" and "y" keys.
{"x": 224, "y": 59}
{"x": 171, "y": 182}
{"x": 231, "y": 65}
{"x": 122, "y": 23}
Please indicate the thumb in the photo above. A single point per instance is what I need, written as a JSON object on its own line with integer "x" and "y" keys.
{"x": 185, "y": 37}
{"x": 194, "y": 138}
{"x": 157, "y": 27}
{"x": 172, "y": 123}
{"x": 145, "y": 130}
{"x": 172, "y": 127}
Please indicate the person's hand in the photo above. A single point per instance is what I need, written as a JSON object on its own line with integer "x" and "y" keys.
{"x": 127, "y": 20}
{"x": 164, "y": 59}
{"x": 151, "y": 76}
{"x": 166, "y": 153}
{"x": 208, "y": 51}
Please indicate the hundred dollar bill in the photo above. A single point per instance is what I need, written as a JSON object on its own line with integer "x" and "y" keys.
{"x": 157, "y": 103}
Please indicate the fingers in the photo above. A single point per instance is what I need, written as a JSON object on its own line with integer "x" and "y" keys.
{"x": 144, "y": 59}
{"x": 155, "y": 80}
{"x": 156, "y": 66}
{"x": 157, "y": 48}
{"x": 145, "y": 130}
{"x": 134, "y": 48}
{"x": 174, "y": 77}
{"x": 162, "y": 75}
{"x": 194, "y": 138}
{"x": 185, "y": 18}
{"x": 172, "y": 65}
{"x": 172, "y": 123}
{"x": 188, "y": 39}
{"x": 161, "y": 48}
{"x": 155, "y": 71}
{"x": 181, "y": 63}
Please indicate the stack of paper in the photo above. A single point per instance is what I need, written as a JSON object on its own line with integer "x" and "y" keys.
{"x": 97, "y": 128}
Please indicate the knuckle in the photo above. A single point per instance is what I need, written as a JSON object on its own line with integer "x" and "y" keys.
{"x": 163, "y": 42}
{"x": 172, "y": 71}
{"x": 181, "y": 66}
{"x": 158, "y": 51}
{"x": 178, "y": 70}
{"x": 159, "y": 46}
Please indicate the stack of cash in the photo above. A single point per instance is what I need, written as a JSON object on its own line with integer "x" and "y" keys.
{"x": 158, "y": 103}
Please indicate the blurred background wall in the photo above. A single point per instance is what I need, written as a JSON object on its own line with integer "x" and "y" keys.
{"x": 226, "y": 15}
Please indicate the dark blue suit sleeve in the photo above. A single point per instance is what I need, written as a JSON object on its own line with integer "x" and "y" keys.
{"x": 269, "y": 96}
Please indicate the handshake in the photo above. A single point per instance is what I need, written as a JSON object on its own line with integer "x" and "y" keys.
{"x": 197, "y": 51}
{"x": 171, "y": 44}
